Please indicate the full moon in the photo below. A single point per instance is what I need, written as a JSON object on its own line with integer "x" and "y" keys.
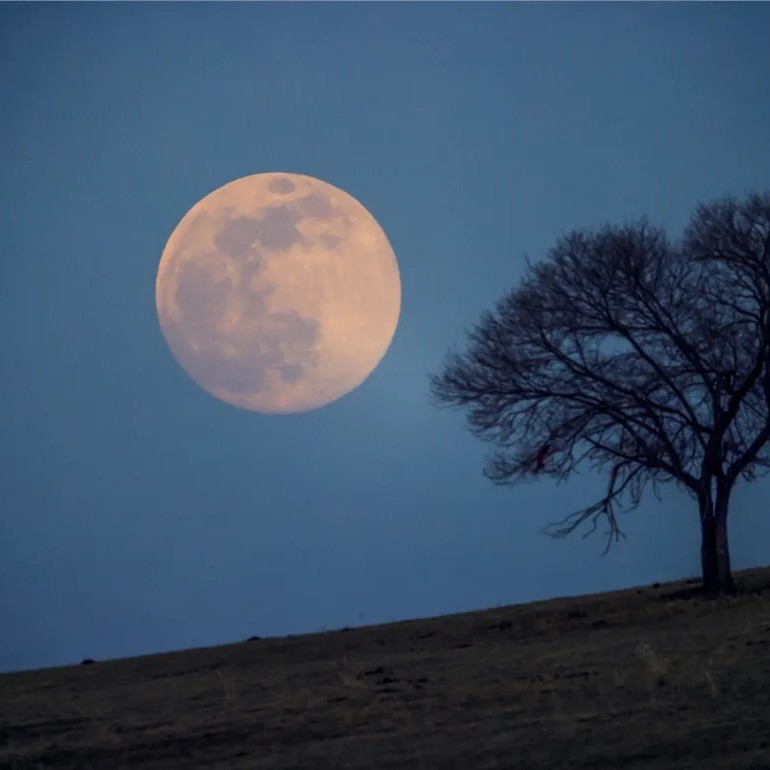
{"x": 278, "y": 293}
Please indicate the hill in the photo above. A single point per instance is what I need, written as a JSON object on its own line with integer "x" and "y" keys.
{"x": 645, "y": 677}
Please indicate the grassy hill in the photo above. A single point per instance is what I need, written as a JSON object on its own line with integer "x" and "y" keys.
{"x": 641, "y": 678}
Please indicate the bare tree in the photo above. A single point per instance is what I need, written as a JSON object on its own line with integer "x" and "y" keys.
{"x": 641, "y": 357}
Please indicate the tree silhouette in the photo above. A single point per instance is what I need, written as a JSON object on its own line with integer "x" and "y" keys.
{"x": 643, "y": 358}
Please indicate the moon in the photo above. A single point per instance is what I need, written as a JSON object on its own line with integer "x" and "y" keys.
{"x": 278, "y": 293}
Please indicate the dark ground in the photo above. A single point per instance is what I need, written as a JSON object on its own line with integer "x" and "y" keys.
{"x": 641, "y": 678}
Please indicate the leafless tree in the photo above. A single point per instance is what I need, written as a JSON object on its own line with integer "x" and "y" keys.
{"x": 641, "y": 357}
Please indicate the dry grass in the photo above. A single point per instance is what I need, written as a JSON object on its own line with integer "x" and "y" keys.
{"x": 642, "y": 678}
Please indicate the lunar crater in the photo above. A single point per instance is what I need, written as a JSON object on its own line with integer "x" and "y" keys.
{"x": 281, "y": 184}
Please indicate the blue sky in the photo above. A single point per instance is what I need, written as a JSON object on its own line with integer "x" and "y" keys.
{"x": 138, "y": 513}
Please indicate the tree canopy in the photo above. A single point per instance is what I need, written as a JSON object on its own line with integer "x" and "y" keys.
{"x": 646, "y": 358}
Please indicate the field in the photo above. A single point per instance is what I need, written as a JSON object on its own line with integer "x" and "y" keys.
{"x": 641, "y": 678}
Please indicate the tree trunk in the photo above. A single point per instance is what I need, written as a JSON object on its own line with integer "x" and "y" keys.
{"x": 708, "y": 548}
{"x": 715, "y": 551}
{"x": 725, "y": 582}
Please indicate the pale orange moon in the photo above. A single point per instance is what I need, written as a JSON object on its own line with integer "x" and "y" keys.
{"x": 278, "y": 293}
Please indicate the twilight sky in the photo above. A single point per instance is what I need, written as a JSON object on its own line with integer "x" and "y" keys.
{"x": 139, "y": 514}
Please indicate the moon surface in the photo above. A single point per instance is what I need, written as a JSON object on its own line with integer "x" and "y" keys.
{"x": 278, "y": 293}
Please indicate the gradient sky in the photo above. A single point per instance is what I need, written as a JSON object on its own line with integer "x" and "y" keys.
{"x": 139, "y": 514}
